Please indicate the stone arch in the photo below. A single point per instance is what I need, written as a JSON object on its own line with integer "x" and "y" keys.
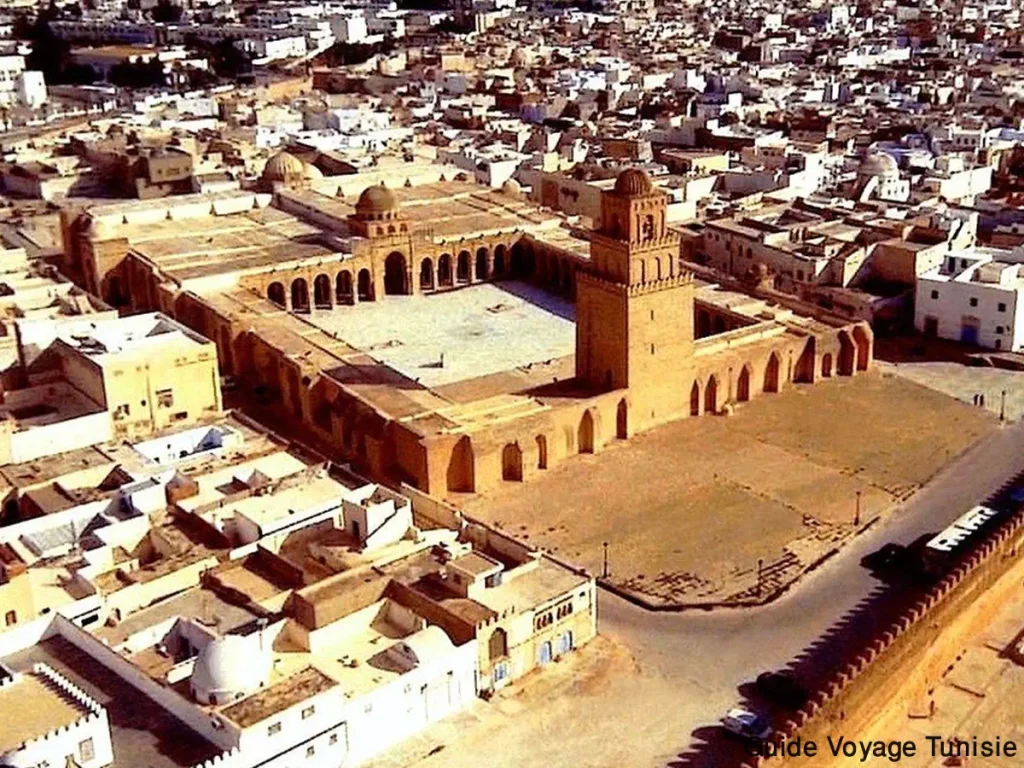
{"x": 444, "y": 270}
{"x": 695, "y": 399}
{"x": 826, "y": 365}
{"x": 863, "y": 344}
{"x": 300, "y": 295}
{"x": 275, "y": 293}
{"x": 497, "y": 645}
{"x": 481, "y": 264}
{"x": 585, "y": 434}
{"x": 771, "y": 374}
{"x": 518, "y": 261}
{"x": 365, "y": 285}
{"x": 426, "y": 275}
{"x": 512, "y": 463}
{"x": 462, "y": 268}
{"x": 461, "y": 467}
{"x": 711, "y": 395}
{"x": 622, "y": 420}
{"x": 542, "y": 452}
{"x": 743, "y": 385}
{"x": 322, "y": 292}
{"x": 847, "y": 355}
{"x": 499, "y": 260}
{"x": 396, "y": 279}
{"x": 343, "y": 288}
{"x": 804, "y": 373}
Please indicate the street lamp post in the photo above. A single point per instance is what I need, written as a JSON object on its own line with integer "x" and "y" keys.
{"x": 760, "y": 563}
{"x": 856, "y": 514}
{"x": 1002, "y": 406}
{"x": 604, "y": 569}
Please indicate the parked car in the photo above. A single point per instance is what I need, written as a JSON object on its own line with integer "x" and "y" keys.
{"x": 746, "y": 725}
{"x": 781, "y": 688}
{"x": 891, "y": 557}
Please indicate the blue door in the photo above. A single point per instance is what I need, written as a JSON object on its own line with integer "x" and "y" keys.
{"x": 969, "y": 334}
{"x": 565, "y": 642}
{"x": 544, "y": 653}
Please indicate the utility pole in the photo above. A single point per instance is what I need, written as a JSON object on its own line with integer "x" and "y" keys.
{"x": 760, "y": 564}
{"x": 856, "y": 514}
{"x": 604, "y": 569}
{"x": 1002, "y": 406}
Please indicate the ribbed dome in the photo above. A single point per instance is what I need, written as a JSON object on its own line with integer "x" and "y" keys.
{"x": 228, "y": 668}
{"x": 285, "y": 167}
{"x": 311, "y": 172}
{"x": 375, "y": 200}
{"x": 881, "y": 164}
{"x": 633, "y": 183}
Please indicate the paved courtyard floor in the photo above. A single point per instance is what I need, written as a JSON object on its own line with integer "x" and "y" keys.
{"x": 688, "y": 509}
{"x": 964, "y": 382}
{"x": 479, "y": 330}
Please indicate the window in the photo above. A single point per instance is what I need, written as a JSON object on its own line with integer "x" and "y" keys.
{"x": 308, "y": 712}
{"x": 180, "y": 416}
{"x": 10, "y": 618}
{"x": 86, "y": 750}
{"x": 563, "y": 610}
{"x": 999, "y": 330}
{"x": 310, "y": 750}
{"x": 122, "y": 410}
{"x": 652, "y": 349}
{"x": 1001, "y": 307}
{"x": 165, "y": 398}
{"x": 273, "y": 728}
{"x": 541, "y": 621}
{"x": 974, "y": 302}
{"x": 935, "y": 294}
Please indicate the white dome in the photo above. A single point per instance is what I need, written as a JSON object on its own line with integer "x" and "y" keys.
{"x": 228, "y": 668}
{"x": 880, "y": 164}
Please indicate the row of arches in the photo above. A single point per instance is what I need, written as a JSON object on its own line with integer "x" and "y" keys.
{"x": 326, "y": 293}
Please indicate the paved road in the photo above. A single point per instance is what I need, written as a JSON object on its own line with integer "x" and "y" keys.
{"x": 712, "y": 657}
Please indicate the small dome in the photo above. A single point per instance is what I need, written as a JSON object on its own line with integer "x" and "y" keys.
{"x": 285, "y": 167}
{"x": 881, "y": 164}
{"x": 633, "y": 183}
{"x": 511, "y": 187}
{"x": 229, "y": 668}
{"x": 376, "y": 200}
{"x": 311, "y": 172}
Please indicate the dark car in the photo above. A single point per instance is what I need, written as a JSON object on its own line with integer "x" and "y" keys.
{"x": 889, "y": 558}
{"x": 781, "y": 688}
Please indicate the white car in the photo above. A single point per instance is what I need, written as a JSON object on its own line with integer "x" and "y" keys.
{"x": 746, "y": 724}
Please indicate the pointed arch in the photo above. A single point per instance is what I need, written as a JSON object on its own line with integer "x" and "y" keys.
{"x": 365, "y": 285}
{"x": 847, "y": 355}
{"x": 482, "y": 273}
{"x": 444, "y": 270}
{"x": 622, "y": 420}
{"x": 426, "y": 275}
{"x": 695, "y": 399}
{"x": 462, "y": 268}
{"x": 771, "y": 374}
{"x": 826, "y": 365}
{"x": 462, "y": 467}
{"x": 711, "y": 395}
{"x": 585, "y": 433}
{"x": 863, "y": 344}
{"x": 512, "y": 463}
{"x": 743, "y": 385}
{"x": 499, "y": 261}
{"x": 396, "y": 279}
{"x": 542, "y": 452}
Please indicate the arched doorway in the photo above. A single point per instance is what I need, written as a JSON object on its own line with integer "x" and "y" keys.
{"x": 695, "y": 399}
{"x": 300, "y": 295}
{"x": 711, "y": 396}
{"x": 804, "y": 373}
{"x": 542, "y": 452}
{"x": 275, "y": 293}
{"x": 499, "y": 261}
{"x": 427, "y": 275}
{"x": 846, "y": 354}
{"x": 743, "y": 385}
{"x": 585, "y": 433}
{"x": 497, "y": 645}
{"x": 461, "y": 467}
{"x": 512, "y": 463}
{"x": 771, "y": 374}
{"x": 860, "y": 338}
{"x": 518, "y": 261}
{"x": 365, "y": 285}
{"x": 444, "y": 270}
{"x": 481, "y": 264}
{"x": 462, "y": 269}
{"x": 396, "y": 281}
{"x": 343, "y": 288}
{"x": 826, "y": 365}
{"x": 322, "y": 292}
{"x": 622, "y": 420}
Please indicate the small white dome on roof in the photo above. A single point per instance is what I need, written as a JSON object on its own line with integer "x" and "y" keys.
{"x": 878, "y": 163}
{"x": 229, "y": 668}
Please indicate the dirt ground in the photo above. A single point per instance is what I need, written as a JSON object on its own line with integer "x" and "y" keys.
{"x": 688, "y": 509}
